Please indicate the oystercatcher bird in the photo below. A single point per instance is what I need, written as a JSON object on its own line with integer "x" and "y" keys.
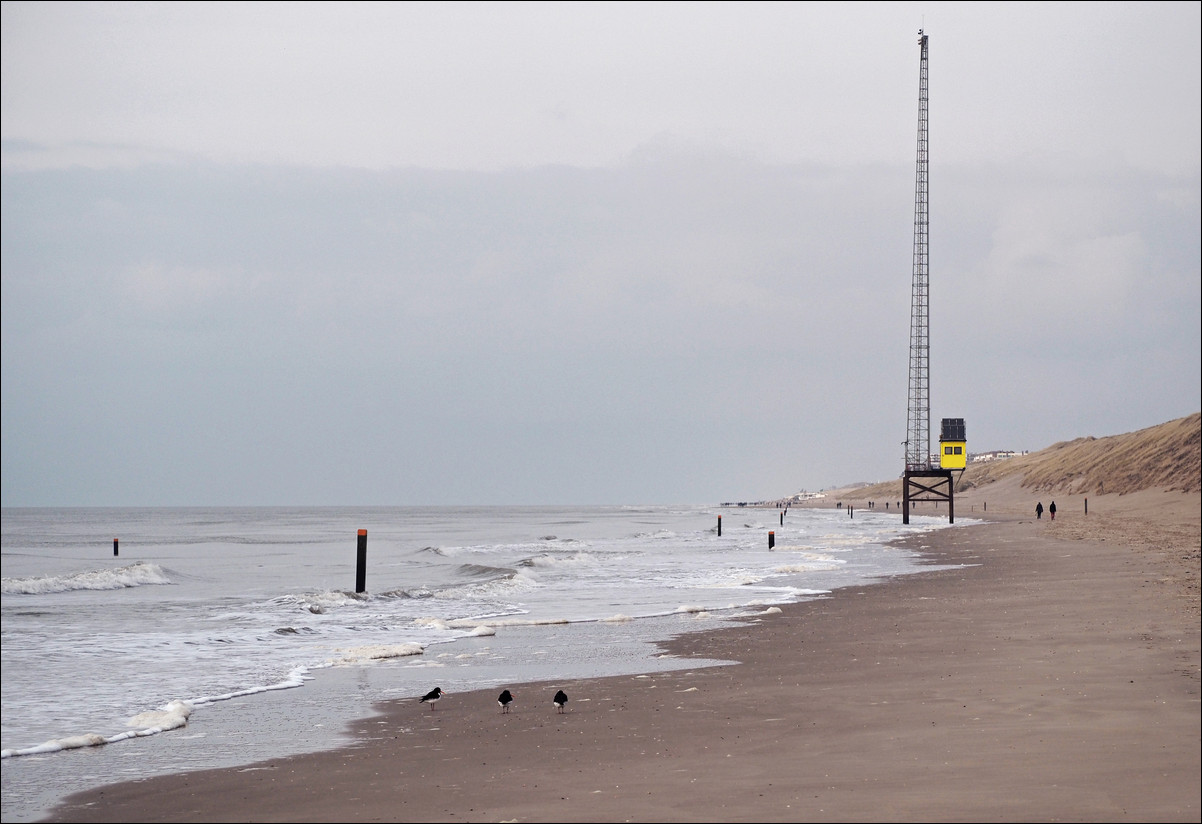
{"x": 432, "y": 696}
{"x": 505, "y": 699}
{"x": 560, "y": 699}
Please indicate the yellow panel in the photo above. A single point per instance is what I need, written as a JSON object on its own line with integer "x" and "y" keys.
{"x": 953, "y": 454}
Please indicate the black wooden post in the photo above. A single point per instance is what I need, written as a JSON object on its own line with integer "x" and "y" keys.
{"x": 361, "y": 568}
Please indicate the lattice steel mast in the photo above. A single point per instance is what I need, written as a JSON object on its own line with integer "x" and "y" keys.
{"x": 918, "y": 418}
{"x": 927, "y": 478}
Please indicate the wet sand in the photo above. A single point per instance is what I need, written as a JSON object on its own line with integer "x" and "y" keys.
{"x": 1052, "y": 675}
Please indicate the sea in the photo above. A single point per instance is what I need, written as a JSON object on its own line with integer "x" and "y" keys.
{"x": 142, "y": 641}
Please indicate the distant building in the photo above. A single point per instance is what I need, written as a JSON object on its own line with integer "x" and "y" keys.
{"x": 806, "y": 496}
{"x": 996, "y": 455}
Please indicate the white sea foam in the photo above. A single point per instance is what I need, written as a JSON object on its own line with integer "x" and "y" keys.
{"x": 432, "y": 622}
{"x": 376, "y": 652}
{"x": 169, "y": 717}
{"x": 475, "y": 625}
{"x": 173, "y": 715}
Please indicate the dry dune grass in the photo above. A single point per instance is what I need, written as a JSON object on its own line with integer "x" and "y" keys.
{"x": 1166, "y": 457}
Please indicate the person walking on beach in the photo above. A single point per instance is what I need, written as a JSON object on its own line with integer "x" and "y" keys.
{"x": 1052, "y": 510}
{"x": 1039, "y": 510}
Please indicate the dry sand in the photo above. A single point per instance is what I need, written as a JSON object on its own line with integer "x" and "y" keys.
{"x": 1052, "y": 675}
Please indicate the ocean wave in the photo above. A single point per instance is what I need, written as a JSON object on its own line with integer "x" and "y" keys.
{"x": 504, "y": 587}
{"x": 297, "y": 631}
{"x": 319, "y": 603}
{"x": 548, "y": 559}
{"x": 657, "y": 535}
{"x": 476, "y": 571}
{"x": 134, "y": 575}
{"x": 809, "y": 562}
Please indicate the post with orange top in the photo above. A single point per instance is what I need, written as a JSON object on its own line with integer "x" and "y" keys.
{"x": 115, "y": 540}
{"x": 361, "y": 570}
{"x": 719, "y": 526}
{"x": 771, "y": 539}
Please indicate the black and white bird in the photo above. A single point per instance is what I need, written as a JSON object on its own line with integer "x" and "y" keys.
{"x": 432, "y": 697}
{"x": 505, "y": 699}
{"x": 560, "y": 699}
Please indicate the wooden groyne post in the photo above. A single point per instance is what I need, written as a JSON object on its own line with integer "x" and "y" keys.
{"x": 361, "y": 566}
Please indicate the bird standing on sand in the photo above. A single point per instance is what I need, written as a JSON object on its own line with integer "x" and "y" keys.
{"x": 560, "y": 699}
{"x": 432, "y": 697}
{"x": 505, "y": 699}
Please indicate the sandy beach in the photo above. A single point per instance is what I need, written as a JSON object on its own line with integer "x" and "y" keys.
{"x": 1052, "y": 675}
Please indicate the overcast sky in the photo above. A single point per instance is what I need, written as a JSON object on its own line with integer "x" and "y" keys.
{"x": 441, "y": 253}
